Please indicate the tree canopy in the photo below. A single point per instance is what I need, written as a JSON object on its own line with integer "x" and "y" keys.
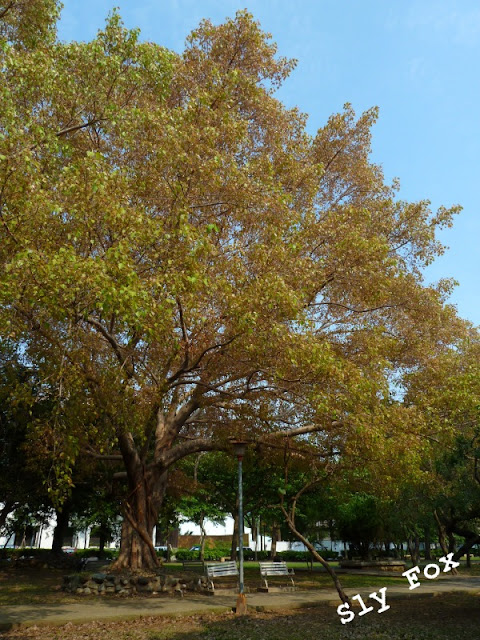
{"x": 183, "y": 263}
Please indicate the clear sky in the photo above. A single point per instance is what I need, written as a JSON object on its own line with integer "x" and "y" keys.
{"x": 418, "y": 60}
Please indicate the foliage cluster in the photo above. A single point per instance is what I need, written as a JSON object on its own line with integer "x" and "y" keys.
{"x": 182, "y": 263}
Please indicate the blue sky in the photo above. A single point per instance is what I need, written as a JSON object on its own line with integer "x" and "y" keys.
{"x": 417, "y": 60}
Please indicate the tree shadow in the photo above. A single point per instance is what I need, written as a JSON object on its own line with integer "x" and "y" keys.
{"x": 453, "y": 616}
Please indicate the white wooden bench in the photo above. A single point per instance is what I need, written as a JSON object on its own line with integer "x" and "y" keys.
{"x": 275, "y": 569}
{"x": 93, "y": 563}
{"x": 220, "y": 570}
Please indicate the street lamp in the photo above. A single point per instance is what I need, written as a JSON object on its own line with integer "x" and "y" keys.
{"x": 239, "y": 448}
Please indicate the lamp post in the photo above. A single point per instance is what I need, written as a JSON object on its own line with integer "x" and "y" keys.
{"x": 239, "y": 448}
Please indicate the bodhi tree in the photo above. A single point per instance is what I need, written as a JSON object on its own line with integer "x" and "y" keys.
{"x": 184, "y": 263}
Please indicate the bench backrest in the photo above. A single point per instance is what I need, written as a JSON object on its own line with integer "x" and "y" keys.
{"x": 273, "y": 568}
{"x": 222, "y": 569}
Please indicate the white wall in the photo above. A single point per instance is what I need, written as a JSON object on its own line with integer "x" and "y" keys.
{"x": 226, "y": 529}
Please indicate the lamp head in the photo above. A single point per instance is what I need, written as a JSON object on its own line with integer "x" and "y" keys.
{"x": 239, "y": 447}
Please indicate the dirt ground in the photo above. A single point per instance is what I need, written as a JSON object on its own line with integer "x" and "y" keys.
{"x": 445, "y": 617}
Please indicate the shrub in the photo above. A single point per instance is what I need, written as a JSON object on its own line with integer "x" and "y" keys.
{"x": 93, "y": 552}
{"x": 294, "y": 556}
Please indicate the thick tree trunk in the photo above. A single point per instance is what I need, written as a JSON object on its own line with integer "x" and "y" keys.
{"x": 60, "y": 528}
{"x": 141, "y": 509}
{"x": 103, "y": 536}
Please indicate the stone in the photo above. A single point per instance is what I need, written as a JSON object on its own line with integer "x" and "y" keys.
{"x": 99, "y": 577}
{"x": 144, "y": 588}
{"x": 156, "y": 584}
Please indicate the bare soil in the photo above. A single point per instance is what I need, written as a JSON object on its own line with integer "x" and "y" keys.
{"x": 446, "y": 617}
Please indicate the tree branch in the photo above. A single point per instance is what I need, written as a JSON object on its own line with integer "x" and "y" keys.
{"x": 4, "y": 12}
{"x": 184, "y": 449}
{"x": 117, "y": 347}
{"x": 182, "y": 370}
{"x": 300, "y": 430}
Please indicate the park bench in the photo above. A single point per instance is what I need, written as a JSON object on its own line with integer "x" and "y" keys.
{"x": 274, "y": 569}
{"x": 93, "y": 563}
{"x": 220, "y": 570}
{"x": 195, "y": 566}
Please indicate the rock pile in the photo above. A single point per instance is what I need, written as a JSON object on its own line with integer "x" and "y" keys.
{"x": 124, "y": 585}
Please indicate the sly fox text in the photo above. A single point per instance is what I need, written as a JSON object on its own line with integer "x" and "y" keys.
{"x": 431, "y": 571}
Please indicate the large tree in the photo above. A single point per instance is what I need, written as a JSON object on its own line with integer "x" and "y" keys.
{"x": 447, "y": 392}
{"x": 185, "y": 262}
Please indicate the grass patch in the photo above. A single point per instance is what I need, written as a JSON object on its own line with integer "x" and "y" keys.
{"x": 306, "y": 579}
{"x": 30, "y": 586}
{"x": 33, "y": 586}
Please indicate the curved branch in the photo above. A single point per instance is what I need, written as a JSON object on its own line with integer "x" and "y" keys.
{"x": 184, "y": 449}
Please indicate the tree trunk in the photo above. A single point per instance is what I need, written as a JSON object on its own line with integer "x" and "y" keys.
{"x": 233, "y": 550}
{"x": 441, "y": 533}
{"x": 5, "y": 512}
{"x": 413, "y": 549}
{"x": 428, "y": 553}
{"x": 275, "y": 536}
{"x": 252, "y": 524}
{"x": 291, "y": 525}
{"x": 103, "y": 535}
{"x": 452, "y": 543}
{"x": 442, "y": 537}
{"x": 203, "y": 537}
{"x": 466, "y": 546}
{"x": 146, "y": 493}
{"x": 61, "y": 527}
